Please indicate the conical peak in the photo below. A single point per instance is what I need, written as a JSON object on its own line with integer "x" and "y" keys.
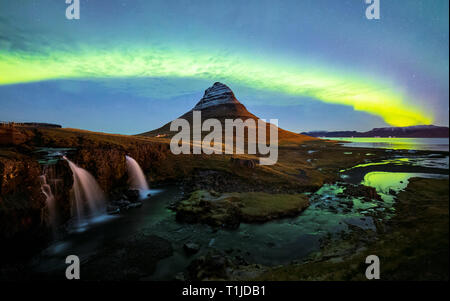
{"x": 217, "y": 94}
{"x": 217, "y": 89}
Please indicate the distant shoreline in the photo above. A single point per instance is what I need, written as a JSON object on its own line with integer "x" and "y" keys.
{"x": 420, "y": 131}
{"x": 407, "y": 143}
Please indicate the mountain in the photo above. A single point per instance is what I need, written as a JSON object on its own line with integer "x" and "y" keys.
{"x": 219, "y": 102}
{"x": 417, "y": 131}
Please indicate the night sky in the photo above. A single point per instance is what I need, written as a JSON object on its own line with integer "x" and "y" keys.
{"x": 131, "y": 66}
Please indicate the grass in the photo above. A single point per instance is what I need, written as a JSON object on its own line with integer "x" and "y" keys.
{"x": 302, "y": 166}
{"x": 229, "y": 209}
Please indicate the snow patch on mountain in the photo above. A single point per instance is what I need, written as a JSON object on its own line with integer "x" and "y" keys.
{"x": 218, "y": 94}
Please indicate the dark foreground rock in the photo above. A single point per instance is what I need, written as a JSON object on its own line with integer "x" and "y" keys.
{"x": 22, "y": 205}
{"x": 132, "y": 195}
{"x": 123, "y": 201}
{"x": 130, "y": 260}
{"x": 218, "y": 266}
{"x": 360, "y": 191}
{"x": 191, "y": 248}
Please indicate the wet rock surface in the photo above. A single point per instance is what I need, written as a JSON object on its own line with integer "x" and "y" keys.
{"x": 191, "y": 248}
{"x": 123, "y": 201}
{"x": 365, "y": 192}
{"x": 117, "y": 207}
{"x": 216, "y": 265}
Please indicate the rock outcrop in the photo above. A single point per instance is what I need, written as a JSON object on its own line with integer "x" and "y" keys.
{"x": 21, "y": 205}
{"x": 228, "y": 210}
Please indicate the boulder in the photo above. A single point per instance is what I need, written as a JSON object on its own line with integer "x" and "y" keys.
{"x": 191, "y": 248}
{"x": 132, "y": 195}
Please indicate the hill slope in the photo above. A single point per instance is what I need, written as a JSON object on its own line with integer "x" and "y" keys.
{"x": 219, "y": 102}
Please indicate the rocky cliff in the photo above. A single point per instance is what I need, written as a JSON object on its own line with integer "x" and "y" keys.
{"x": 23, "y": 211}
{"x": 21, "y": 202}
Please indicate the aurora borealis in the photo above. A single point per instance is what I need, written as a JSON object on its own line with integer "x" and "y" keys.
{"x": 279, "y": 57}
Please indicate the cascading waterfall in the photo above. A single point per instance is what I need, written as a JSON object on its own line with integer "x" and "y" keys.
{"x": 50, "y": 201}
{"x": 89, "y": 199}
{"x": 136, "y": 177}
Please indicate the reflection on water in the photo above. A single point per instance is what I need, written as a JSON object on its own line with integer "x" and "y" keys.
{"x": 50, "y": 155}
{"x": 434, "y": 144}
{"x": 83, "y": 225}
{"x": 430, "y": 161}
{"x": 388, "y": 184}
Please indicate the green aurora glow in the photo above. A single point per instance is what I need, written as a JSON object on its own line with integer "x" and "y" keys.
{"x": 330, "y": 86}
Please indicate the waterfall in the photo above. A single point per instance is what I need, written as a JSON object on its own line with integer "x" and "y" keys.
{"x": 50, "y": 201}
{"x": 136, "y": 177}
{"x": 89, "y": 199}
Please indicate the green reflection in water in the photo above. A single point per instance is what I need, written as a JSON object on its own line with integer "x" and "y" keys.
{"x": 398, "y": 161}
{"x": 441, "y": 144}
{"x": 385, "y": 182}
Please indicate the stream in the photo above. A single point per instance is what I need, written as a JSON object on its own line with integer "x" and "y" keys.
{"x": 273, "y": 243}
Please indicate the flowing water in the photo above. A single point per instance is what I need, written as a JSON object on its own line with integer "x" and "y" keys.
{"x": 50, "y": 202}
{"x": 136, "y": 177}
{"x": 88, "y": 197}
{"x": 51, "y": 184}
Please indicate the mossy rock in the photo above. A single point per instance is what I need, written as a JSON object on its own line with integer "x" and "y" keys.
{"x": 230, "y": 209}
